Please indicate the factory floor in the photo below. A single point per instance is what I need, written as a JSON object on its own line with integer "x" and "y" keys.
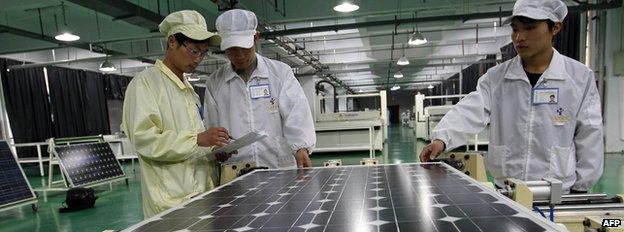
{"x": 120, "y": 206}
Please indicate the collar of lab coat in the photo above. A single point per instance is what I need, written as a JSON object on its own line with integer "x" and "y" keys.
{"x": 164, "y": 69}
{"x": 555, "y": 71}
{"x": 260, "y": 72}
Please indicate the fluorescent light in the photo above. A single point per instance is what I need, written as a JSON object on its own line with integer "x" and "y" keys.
{"x": 398, "y": 74}
{"x": 417, "y": 39}
{"x": 430, "y": 86}
{"x": 346, "y": 7}
{"x": 477, "y": 21}
{"x": 403, "y": 61}
{"x": 67, "y": 37}
{"x": 107, "y": 66}
{"x": 395, "y": 87}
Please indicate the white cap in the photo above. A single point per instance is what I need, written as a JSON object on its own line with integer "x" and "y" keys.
{"x": 188, "y": 22}
{"x": 553, "y": 10}
{"x": 237, "y": 28}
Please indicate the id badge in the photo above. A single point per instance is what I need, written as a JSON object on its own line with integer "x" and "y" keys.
{"x": 259, "y": 91}
{"x": 545, "y": 96}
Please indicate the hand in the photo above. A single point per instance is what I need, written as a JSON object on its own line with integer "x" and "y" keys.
{"x": 222, "y": 157}
{"x": 214, "y": 136}
{"x": 303, "y": 160}
{"x": 432, "y": 150}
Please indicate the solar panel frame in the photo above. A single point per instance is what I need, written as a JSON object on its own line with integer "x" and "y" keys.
{"x": 4, "y": 146}
{"x": 71, "y": 178}
{"x": 519, "y": 209}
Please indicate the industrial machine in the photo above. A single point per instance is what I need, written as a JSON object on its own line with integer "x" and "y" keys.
{"x": 360, "y": 123}
{"x": 577, "y": 212}
{"x": 470, "y": 163}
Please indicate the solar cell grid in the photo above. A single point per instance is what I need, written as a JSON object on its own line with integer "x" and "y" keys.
{"x": 407, "y": 197}
{"x": 14, "y": 187}
{"x": 89, "y": 163}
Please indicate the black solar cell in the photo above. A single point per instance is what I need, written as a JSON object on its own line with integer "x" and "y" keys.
{"x": 407, "y": 197}
{"x": 89, "y": 163}
{"x": 14, "y": 186}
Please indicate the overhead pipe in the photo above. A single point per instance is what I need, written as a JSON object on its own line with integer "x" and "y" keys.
{"x": 482, "y": 15}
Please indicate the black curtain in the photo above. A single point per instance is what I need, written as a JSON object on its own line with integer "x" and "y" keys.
{"x": 78, "y": 102}
{"x": 115, "y": 89}
{"x": 115, "y": 86}
{"x": 472, "y": 73}
{"x": 27, "y": 105}
{"x": 568, "y": 40}
{"x": 508, "y": 52}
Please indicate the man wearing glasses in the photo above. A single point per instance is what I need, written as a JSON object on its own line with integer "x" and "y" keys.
{"x": 162, "y": 117}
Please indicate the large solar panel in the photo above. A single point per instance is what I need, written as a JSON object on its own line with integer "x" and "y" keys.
{"x": 89, "y": 163}
{"x": 14, "y": 187}
{"x": 406, "y": 197}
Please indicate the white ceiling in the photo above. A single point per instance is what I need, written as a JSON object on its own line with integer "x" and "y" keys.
{"x": 361, "y": 55}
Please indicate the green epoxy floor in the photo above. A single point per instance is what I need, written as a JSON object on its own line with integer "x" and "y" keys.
{"x": 120, "y": 207}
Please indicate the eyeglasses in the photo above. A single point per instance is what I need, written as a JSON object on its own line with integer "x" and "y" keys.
{"x": 194, "y": 52}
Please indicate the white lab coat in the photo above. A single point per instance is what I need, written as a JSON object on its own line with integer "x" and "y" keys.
{"x": 161, "y": 118}
{"x": 530, "y": 142}
{"x": 285, "y": 116}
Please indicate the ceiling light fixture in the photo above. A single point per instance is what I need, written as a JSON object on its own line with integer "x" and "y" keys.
{"x": 67, "y": 37}
{"x": 107, "y": 66}
{"x": 346, "y": 7}
{"x": 64, "y": 35}
{"x": 395, "y": 87}
{"x": 403, "y": 60}
{"x": 430, "y": 86}
{"x": 398, "y": 74}
{"x": 417, "y": 38}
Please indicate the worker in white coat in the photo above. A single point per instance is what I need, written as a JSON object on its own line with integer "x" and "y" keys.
{"x": 533, "y": 135}
{"x": 162, "y": 118}
{"x": 254, "y": 93}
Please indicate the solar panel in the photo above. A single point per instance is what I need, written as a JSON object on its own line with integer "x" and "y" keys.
{"x": 14, "y": 187}
{"x": 406, "y": 197}
{"x": 89, "y": 163}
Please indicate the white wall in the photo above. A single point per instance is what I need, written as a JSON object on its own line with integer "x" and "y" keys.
{"x": 613, "y": 92}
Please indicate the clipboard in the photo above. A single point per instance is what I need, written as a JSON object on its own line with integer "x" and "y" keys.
{"x": 243, "y": 141}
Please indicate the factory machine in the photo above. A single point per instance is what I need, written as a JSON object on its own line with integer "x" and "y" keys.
{"x": 426, "y": 119}
{"x": 577, "y": 212}
{"x": 361, "y": 126}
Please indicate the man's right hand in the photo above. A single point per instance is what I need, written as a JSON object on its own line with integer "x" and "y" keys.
{"x": 214, "y": 136}
{"x": 432, "y": 150}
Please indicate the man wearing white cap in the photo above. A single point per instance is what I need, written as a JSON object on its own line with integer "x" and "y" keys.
{"x": 254, "y": 93}
{"x": 163, "y": 118}
{"x": 532, "y": 135}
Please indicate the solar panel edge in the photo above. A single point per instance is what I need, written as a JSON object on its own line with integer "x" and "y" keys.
{"x": 447, "y": 169}
{"x": 8, "y": 157}
{"x": 69, "y": 150}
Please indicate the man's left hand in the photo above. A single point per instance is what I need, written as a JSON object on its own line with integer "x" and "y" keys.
{"x": 303, "y": 160}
